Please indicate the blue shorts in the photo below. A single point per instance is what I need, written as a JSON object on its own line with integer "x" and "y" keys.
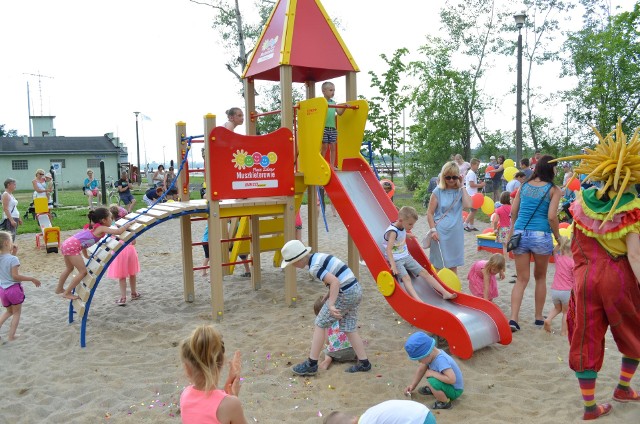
{"x": 330, "y": 135}
{"x": 536, "y": 242}
{"x": 347, "y": 303}
{"x": 127, "y": 198}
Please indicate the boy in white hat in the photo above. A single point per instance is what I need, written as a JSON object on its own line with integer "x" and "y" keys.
{"x": 341, "y": 304}
{"x": 444, "y": 378}
{"x": 387, "y": 412}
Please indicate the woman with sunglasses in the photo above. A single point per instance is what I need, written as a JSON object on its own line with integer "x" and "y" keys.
{"x": 40, "y": 186}
{"x": 445, "y": 219}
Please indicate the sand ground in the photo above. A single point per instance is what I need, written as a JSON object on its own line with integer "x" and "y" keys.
{"x": 130, "y": 372}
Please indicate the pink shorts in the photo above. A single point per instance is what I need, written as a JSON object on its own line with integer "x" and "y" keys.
{"x": 13, "y": 295}
{"x": 71, "y": 247}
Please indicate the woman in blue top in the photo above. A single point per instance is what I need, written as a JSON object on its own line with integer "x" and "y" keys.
{"x": 90, "y": 188}
{"x": 444, "y": 214}
{"x": 534, "y": 214}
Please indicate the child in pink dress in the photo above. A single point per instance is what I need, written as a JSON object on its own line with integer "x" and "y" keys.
{"x": 563, "y": 282}
{"x": 482, "y": 276}
{"x": 339, "y": 348}
{"x": 501, "y": 220}
{"x": 203, "y": 402}
{"x": 125, "y": 265}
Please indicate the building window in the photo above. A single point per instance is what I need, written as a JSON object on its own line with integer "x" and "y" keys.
{"x": 93, "y": 163}
{"x": 60, "y": 161}
{"x": 20, "y": 164}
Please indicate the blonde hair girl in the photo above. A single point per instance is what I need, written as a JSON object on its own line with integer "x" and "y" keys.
{"x": 202, "y": 355}
{"x": 563, "y": 283}
{"x": 482, "y": 276}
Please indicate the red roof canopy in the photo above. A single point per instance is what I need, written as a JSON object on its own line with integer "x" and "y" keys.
{"x": 299, "y": 33}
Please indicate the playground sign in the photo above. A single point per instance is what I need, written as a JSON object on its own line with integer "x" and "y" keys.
{"x": 251, "y": 166}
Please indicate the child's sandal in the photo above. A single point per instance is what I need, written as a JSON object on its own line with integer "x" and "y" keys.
{"x": 122, "y": 301}
{"x": 136, "y": 296}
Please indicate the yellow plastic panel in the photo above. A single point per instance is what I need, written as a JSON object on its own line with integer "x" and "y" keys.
{"x": 386, "y": 283}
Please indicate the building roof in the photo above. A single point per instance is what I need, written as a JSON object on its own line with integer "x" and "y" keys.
{"x": 299, "y": 33}
{"x": 57, "y": 145}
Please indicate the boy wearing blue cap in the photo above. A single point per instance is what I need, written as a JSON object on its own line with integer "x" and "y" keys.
{"x": 444, "y": 378}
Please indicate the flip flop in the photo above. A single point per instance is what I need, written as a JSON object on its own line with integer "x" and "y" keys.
{"x": 136, "y": 296}
{"x": 122, "y": 301}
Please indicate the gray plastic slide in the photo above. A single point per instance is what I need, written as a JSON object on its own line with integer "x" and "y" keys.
{"x": 481, "y": 328}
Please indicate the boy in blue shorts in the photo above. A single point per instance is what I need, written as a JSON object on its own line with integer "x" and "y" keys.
{"x": 341, "y": 304}
{"x": 444, "y": 378}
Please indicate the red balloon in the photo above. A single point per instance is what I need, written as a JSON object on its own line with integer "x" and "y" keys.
{"x": 477, "y": 200}
{"x": 489, "y": 169}
{"x": 564, "y": 225}
{"x": 487, "y": 230}
{"x": 574, "y": 184}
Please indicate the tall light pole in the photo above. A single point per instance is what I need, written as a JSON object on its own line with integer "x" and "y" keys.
{"x": 520, "y": 20}
{"x": 138, "y": 145}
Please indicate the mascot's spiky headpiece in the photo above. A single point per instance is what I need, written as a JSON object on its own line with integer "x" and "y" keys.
{"x": 613, "y": 161}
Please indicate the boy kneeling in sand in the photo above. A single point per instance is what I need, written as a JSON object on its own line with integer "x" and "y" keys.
{"x": 342, "y": 304}
{"x": 444, "y": 378}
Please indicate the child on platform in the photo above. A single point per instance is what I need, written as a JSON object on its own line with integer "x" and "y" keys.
{"x": 563, "y": 282}
{"x": 400, "y": 260}
{"x": 125, "y": 265}
{"x": 342, "y": 303}
{"x": 501, "y": 220}
{"x": 11, "y": 292}
{"x": 482, "y": 276}
{"x": 205, "y": 247}
{"x": 330, "y": 135}
{"x": 99, "y": 225}
{"x": 202, "y": 356}
{"x": 444, "y": 378}
{"x": 338, "y": 346}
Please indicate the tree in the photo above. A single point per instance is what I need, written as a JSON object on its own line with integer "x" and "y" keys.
{"x": 605, "y": 57}
{"x": 386, "y": 108}
{"x": 8, "y": 133}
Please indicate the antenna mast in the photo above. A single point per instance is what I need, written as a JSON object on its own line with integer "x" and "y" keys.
{"x": 40, "y": 76}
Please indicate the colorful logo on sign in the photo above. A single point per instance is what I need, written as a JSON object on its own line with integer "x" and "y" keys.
{"x": 242, "y": 159}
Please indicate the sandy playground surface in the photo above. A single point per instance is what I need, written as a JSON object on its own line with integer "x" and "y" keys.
{"x": 130, "y": 371}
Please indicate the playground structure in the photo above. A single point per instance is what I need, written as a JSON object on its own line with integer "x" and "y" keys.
{"x": 255, "y": 177}
{"x": 49, "y": 237}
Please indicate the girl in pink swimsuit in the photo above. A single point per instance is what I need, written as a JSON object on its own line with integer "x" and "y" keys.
{"x": 202, "y": 402}
{"x": 100, "y": 220}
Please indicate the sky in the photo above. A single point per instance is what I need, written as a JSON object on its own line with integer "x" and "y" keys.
{"x": 101, "y": 61}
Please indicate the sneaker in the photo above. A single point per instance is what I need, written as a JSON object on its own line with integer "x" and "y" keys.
{"x": 424, "y": 390}
{"x": 538, "y": 323}
{"x": 514, "y": 326}
{"x": 467, "y": 228}
{"x": 442, "y": 405}
{"x": 622, "y": 395}
{"x": 305, "y": 368}
{"x": 600, "y": 410}
{"x": 359, "y": 367}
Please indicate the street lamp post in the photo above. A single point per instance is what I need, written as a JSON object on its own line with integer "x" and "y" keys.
{"x": 520, "y": 19}
{"x": 137, "y": 145}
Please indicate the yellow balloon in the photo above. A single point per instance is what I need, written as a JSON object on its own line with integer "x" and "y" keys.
{"x": 450, "y": 278}
{"x": 488, "y": 206}
{"x": 509, "y": 173}
{"x": 565, "y": 232}
{"x": 508, "y": 163}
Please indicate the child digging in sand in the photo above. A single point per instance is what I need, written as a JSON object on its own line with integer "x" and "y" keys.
{"x": 397, "y": 253}
{"x": 342, "y": 303}
{"x": 444, "y": 378}
{"x": 99, "y": 222}
{"x": 11, "y": 292}
{"x": 338, "y": 346}
{"x": 482, "y": 277}
{"x": 202, "y": 402}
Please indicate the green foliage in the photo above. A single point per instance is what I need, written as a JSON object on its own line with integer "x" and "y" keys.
{"x": 8, "y": 133}
{"x": 271, "y": 101}
{"x": 605, "y": 57}
{"x": 386, "y": 108}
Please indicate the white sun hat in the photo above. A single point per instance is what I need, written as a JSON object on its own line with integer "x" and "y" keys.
{"x": 293, "y": 251}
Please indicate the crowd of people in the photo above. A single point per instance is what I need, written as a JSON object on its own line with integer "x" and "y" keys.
{"x": 525, "y": 222}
